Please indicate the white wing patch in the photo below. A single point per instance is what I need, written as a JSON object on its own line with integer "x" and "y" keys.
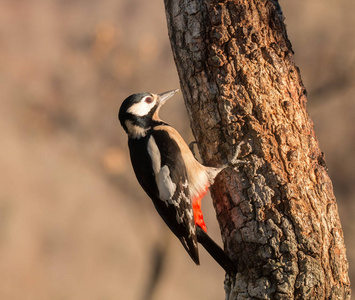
{"x": 165, "y": 185}
{"x": 163, "y": 180}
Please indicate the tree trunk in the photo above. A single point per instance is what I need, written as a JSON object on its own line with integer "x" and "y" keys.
{"x": 278, "y": 215}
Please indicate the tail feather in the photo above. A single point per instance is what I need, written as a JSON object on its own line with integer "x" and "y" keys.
{"x": 191, "y": 248}
{"x": 216, "y": 251}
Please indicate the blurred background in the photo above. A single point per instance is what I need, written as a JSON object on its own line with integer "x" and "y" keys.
{"x": 74, "y": 224}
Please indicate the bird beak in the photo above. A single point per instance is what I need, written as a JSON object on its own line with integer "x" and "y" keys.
{"x": 165, "y": 96}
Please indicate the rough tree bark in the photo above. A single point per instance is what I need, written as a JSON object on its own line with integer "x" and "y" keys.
{"x": 278, "y": 215}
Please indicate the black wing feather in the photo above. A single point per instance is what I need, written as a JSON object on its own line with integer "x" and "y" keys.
{"x": 177, "y": 212}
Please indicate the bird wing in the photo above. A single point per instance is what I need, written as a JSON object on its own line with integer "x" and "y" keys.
{"x": 160, "y": 169}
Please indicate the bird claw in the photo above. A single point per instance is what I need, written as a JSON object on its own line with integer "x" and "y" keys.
{"x": 235, "y": 161}
{"x": 192, "y": 148}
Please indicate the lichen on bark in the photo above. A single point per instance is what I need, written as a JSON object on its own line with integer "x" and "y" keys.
{"x": 278, "y": 215}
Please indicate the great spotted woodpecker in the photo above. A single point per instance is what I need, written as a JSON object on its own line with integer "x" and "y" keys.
{"x": 169, "y": 173}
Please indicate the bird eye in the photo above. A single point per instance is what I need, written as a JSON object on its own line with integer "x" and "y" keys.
{"x": 148, "y": 100}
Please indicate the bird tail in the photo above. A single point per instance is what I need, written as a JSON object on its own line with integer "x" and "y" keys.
{"x": 191, "y": 248}
{"x": 216, "y": 251}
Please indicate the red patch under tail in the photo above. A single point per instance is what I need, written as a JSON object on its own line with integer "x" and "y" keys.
{"x": 196, "y": 206}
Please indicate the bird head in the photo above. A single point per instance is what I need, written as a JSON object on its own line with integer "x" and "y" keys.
{"x": 139, "y": 111}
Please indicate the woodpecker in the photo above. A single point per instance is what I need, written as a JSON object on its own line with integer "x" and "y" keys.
{"x": 169, "y": 173}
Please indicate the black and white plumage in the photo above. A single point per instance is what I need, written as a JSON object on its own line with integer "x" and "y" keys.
{"x": 167, "y": 170}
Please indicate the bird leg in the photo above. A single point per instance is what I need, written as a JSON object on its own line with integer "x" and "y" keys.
{"x": 192, "y": 148}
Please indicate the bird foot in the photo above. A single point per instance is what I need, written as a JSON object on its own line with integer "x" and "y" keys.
{"x": 192, "y": 148}
{"x": 235, "y": 161}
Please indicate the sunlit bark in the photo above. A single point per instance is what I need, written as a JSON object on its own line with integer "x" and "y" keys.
{"x": 278, "y": 215}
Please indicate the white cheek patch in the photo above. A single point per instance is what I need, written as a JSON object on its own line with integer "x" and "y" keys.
{"x": 141, "y": 108}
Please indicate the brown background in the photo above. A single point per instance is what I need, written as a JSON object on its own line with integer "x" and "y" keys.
{"x": 74, "y": 224}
